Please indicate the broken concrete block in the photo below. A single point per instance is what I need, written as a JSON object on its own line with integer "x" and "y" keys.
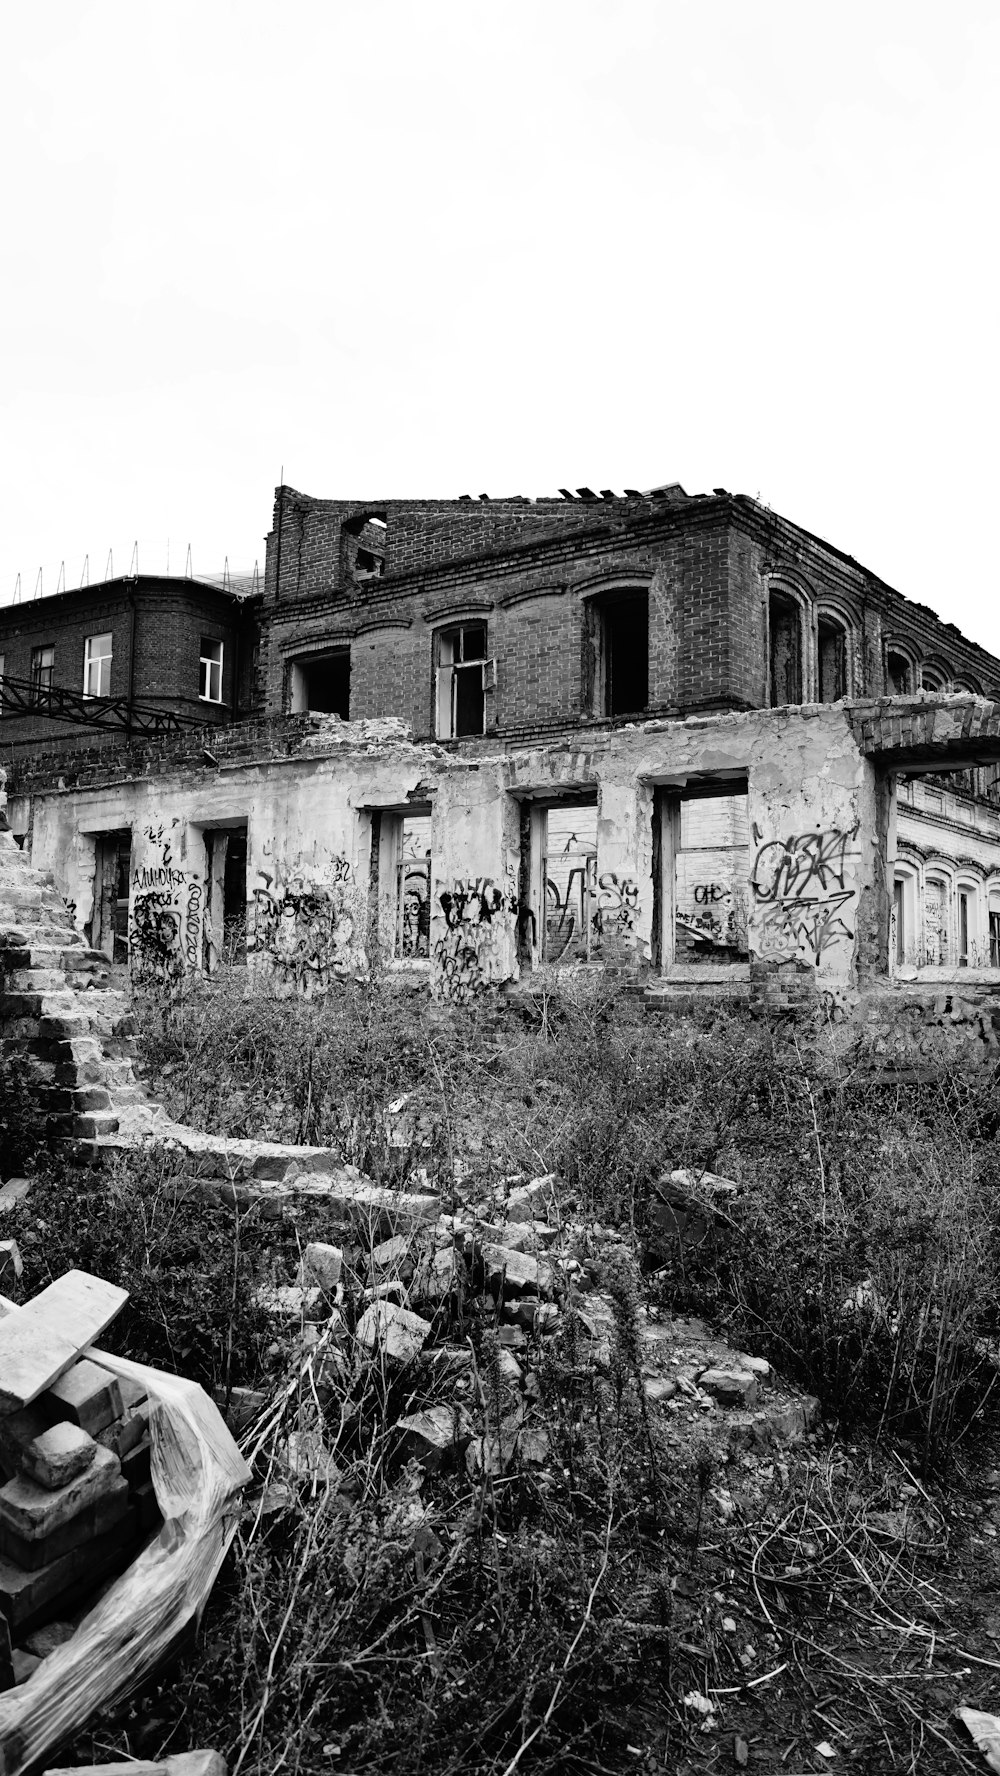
{"x": 397, "y": 1333}
{"x": 731, "y": 1387}
{"x": 86, "y": 1395}
{"x": 791, "y": 1419}
{"x": 516, "y": 1271}
{"x": 309, "y": 1458}
{"x": 393, "y": 1255}
{"x": 321, "y": 1267}
{"x": 13, "y": 1192}
{"x": 758, "y": 1366}
{"x": 435, "y": 1436}
{"x": 658, "y": 1388}
{"x": 532, "y": 1202}
{"x": 11, "y": 1267}
{"x": 286, "y": 1301}
{"x": 42, "y": 1340}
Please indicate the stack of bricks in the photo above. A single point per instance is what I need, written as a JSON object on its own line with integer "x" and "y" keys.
{"x": 77, "y": 1504}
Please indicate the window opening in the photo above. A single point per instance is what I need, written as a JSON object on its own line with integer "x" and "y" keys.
{"x": 43, "y": 660}
{"x": 211, "y": 670}
{"x": 785, "y": 631}
{"x": 322, "y": 683}
{"x": 710, "y": 850}
{"x": 570, "y": 926}
{"x": 931, "y": 679}
{"x": 625, "y": 650}
{"x": 897, "y": 669}
{"x": 832, "y": 652}
{"x": 461, "y": 681}
{"x": 898, "y": 940}
{"x": 97, "y": 666}
{"x": 1, "y": 679}
{"x": 364, "y": 542}
{"x": 963, "y": 928}
{"x": 935, "y": 923}
{"x": 994, "y": 916}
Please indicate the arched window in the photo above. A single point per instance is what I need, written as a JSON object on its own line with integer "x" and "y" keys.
{"x": 831, "y": 658}
{"x": 784, "y": 620}
{"x": 898, "y": 674}
{"x": 933, "y": 677}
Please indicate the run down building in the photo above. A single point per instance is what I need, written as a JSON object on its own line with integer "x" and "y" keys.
{"x": 675, "y": 735}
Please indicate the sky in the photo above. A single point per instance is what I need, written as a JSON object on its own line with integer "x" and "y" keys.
{"x": 387, "y": 250}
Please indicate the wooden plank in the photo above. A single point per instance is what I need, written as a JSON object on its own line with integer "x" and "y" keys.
{"x": 44, "y": 1337}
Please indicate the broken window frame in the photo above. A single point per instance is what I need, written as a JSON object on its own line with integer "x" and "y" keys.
{"x": 667, "y": 827}
{"x": 831, "y": 627}
{"x": 893, "y": 651}
{"x": 102, "y": 660}
{"x": 211, "y": 670}
{"x": 455, "y": 677}
{"x": 783, "y": 601}
{"x": 397, "y": 877}
{"x": 603, "y": 614}
{"x": 42, "y": 668}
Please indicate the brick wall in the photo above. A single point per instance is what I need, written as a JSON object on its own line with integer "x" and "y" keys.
{"x": 167, "y": 619}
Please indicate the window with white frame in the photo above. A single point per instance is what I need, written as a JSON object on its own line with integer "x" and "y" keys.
{"x": 97, "y": 666}
{"x": 462, "y": 669}
{"x": 211, "y": 670}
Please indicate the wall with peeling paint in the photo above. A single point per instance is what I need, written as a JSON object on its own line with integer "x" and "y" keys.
{"x": 816, "y": 855}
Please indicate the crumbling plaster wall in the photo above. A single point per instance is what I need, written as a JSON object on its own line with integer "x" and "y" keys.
{"x": 816, "y": 877}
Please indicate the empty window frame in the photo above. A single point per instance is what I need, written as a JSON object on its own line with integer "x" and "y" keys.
{"x": 43, "y": 661}
{"x": 461, "y": 681}
{"x": 897, "y": 939}
{"x": 784, "y": 650}
{"x": 211, "y": 670}
{"x": 831, "y": 659}
{"x": 898, "y": 674}
{"x": 935, "y": 922}
{"x": 617, "y": 652}
{"x": 97, "y": 666}
{"x": 1, "y": 679}
{"x": 994, "y": 918}
{"x": 403, "y": 841}
{"x": 321, "y": 682}
{"x": 704, "y": 845}
{"x": 564, "y": 894}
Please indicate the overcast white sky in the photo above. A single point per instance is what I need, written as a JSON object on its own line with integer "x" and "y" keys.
{"x": 409, "y": 249}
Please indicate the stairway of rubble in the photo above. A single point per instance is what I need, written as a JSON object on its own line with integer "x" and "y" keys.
{"x": 69, "y": 1035}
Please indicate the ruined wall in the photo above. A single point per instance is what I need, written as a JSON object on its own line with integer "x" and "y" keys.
{"x": 811, "y": 865}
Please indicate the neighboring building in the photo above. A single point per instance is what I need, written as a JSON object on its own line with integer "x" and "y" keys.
{"x": 529, "y": 734}
{"x": 128, "y": 656}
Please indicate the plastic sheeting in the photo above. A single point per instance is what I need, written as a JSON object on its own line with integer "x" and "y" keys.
{"x": 197, "y": 1474}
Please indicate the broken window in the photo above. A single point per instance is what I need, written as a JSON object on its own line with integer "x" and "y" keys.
{"x": 831, "y": 651}
{"x": 785, "y": 650}
{"x": 97, "y": 666}
{"x": 994, "y": 917}
{"x": 43, "y": 661}
{"x": 321, "y": 682}
{"x": 899, "y": 678}
{"x": 363, "y": 546}
{"x": 618, "y": 637}
{"x": 402, "y": 862}
{"x": 108, "y": 929}
{"x": 704, "y": 858}
{"x": 224, "y": 930}
{"x": 897, "y": 945}
{"x": 461, "y": 681}
{"x": 932, "y": 679}
{"x": 210, "y": 690}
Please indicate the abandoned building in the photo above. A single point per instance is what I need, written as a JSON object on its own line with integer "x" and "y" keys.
{"x": 674, "y": 735}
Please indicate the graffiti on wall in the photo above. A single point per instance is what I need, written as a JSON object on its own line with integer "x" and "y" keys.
{"x": 305, "y": 929}
{"x": 802, "y": 905}
{"x": 475, "y": 948}
{"x": 164, "y": 915}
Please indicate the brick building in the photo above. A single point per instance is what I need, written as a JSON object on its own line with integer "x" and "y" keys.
{"x": 122, "y": 656}
{"x": 676, "y": 735}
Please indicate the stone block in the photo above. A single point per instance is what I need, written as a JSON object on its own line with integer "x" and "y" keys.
{"x": 731, "y": 1387}
{"x": 286, "y": 1301}
{"x": 516, "y": 1272}
{"x": 34, "y": 1512}
{"x": 658, "y": 1388}
{"x": 435, "y": 1436}
{"x": 24, "y": 1664}
{"x": 393, "y": 1255}
{"x": 394, "y": 1331}
{"x": 534, "y": 1201}
{"x": 58, "y": 1456}
{"x": 322, "y": 1266}
{"x": 86, "y": 1395}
